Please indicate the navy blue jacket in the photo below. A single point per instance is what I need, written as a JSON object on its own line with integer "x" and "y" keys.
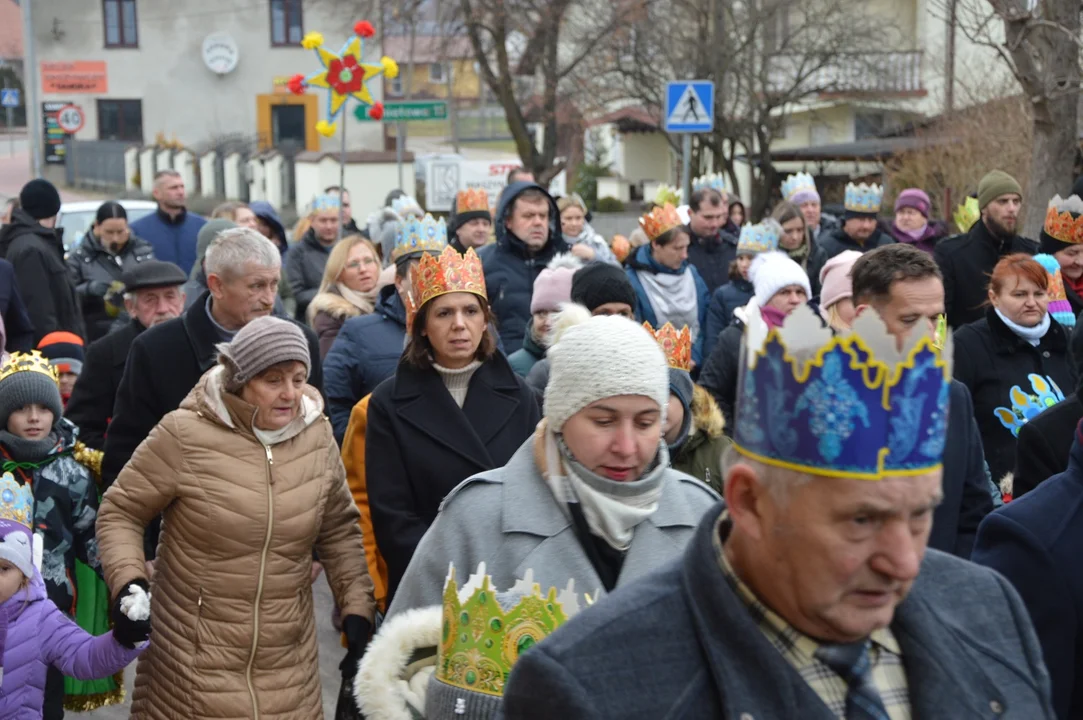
{"x": 1034, "y": 541}
{"x": 510, "y": 270}
{"x": 173, "y": 240}
{"x": 18, "y": 329}
{"x": 712, "y": 256}
{"x": 969, "y": 648}
{"x": 734, "y": 294}
{"x": 365, "y": 353}
{"x": 642, "y": 261}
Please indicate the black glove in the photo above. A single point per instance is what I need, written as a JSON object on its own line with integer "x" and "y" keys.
{"x": 358, "y": 632}
{"x": 128, "y": 632}
{"x": 97, "y": 288}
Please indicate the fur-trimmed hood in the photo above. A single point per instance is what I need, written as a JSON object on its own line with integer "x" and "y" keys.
{"x": 333, "y": 304}
{"x": 395, "y": 672}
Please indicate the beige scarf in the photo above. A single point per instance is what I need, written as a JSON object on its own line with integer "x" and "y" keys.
{"x": 363, "y": 301}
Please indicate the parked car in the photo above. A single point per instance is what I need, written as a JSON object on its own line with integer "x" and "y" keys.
{"x": 77, "y": 217}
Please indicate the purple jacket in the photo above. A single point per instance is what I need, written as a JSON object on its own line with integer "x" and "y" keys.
{"x": 34, "y": 634}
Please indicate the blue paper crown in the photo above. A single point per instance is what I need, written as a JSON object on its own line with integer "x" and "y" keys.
{"x": 714, "y": 181}
{"x": 1025, "y": 405}
{"x": 418, "y": 236}
{"x": 759, "y": 238}
{"x": 849, "y": 406}
{"x": 405, "y": 205}
{"x": 864, "y": 198}
{"x": 16, "y": 501}
{"x": 326, "y": 202}
{"x": 798, "y": 184}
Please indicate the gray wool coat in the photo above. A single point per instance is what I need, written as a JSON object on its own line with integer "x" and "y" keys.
{"x": 509, "y": 519}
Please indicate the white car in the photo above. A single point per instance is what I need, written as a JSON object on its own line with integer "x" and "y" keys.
{"x": 77, "y": 217}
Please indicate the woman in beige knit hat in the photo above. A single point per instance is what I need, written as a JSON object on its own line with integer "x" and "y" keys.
{"x": 248, "y": 479}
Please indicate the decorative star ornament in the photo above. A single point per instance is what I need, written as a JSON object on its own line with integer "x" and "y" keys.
{"x": 344, "y": 75}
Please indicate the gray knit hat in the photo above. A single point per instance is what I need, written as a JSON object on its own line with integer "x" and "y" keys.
{"x": 29, "y": 382}
{"x": 446, "y": 702}
{"x": 264, "y": 342}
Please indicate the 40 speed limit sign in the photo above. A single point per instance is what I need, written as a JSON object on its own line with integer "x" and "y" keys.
{"x": 70, "y": 118}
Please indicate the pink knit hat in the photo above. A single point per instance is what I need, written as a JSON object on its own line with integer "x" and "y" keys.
{"x": 554, "y": 284}
{"x": 835, "y": 283}
{"x": 914, "y": 198}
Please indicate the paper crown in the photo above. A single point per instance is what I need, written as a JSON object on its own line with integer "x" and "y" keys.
{"x": 1059, "y": 307}
{"x": 849, "y": 405}
{"x": 676, "y": 345}
{"x": 668, "y": 194}
{"x": 714, "y": 181}
{"x": 485, "y": 630}
{"x": 967, "y": 214}
{"x": 326, "y": 202}
{"x": 32, "y": 361}
{"x": 759, "y": 238}
{"x": 863, "y": 198}
{"x": 1043, "y": 394}
{"x": 659, "y": 221}
{"x": 405, "y": 205}
{"x": 16, "y": 502}
{"x": 1064, "y": 220}
{"x": 449, "y": 272}
{"x": 800, "y": 184}
{"x": 425, "y": 235}
{"x": 472, "y": 200}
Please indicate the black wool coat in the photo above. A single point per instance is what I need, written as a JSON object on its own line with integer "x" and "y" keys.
{"x": 1045, "y": 444}
{"x": 990, "y": 360}
{"x": 94, "y": 269}
{"x": 91, "y": 403}
{"x": 712, "y": 257}
{"x": 419, "y": 445}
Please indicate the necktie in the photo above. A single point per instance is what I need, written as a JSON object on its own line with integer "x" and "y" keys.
{"x": 852, "y": 663}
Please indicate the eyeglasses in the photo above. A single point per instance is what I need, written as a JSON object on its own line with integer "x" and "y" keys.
{"x": 356, "y": 264}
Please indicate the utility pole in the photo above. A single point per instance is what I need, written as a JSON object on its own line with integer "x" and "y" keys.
{"x": 949, "y": 70}
{"x": 30, "y": 87}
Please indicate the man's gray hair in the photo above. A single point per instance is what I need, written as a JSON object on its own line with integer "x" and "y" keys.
{"x": 778, "y": 481}
{"x": 233, "y": 249}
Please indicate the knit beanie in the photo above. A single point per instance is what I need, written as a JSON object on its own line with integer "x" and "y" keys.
{"x": 581, "y": 368}
{"x": 994, "y": 184}
{"x": 835, "y": 281}
{"x": 680, "y": 385}
{"x": 205, "y": 237}
{"x": 40, "y": 199}
{"x": 599, "y": 283}
{"x": 30, "y": 381}
{"x": 915, "y": 198}
{"x": 1059, "y": 307}
{"x": 264, "y": 342}
{"x": 64, "y": 350}
{"x": 553, "y": 287}
{"x": 772, "y": 271}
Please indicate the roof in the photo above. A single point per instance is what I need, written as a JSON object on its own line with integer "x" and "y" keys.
{"x": 868, "y": 149}
{"x": 428, "y": 48}
{"x": 354, "y": 156}
{"x": 11, "y": 31}
{"x": 634, "y": 118}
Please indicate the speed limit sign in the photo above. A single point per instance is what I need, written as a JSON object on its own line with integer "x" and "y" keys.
{"x": 70, "y": 119}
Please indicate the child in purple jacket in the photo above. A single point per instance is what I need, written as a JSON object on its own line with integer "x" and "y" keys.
{"x": 34, "y": 634}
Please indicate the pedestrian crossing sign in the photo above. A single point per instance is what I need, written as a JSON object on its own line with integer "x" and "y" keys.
{"x": 690, "y": 106}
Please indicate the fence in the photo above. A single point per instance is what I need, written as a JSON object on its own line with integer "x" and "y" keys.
{"x": 97, "y": 164}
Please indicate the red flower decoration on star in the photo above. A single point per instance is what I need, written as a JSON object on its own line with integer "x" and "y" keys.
{"x": 297, "y": 84}
{"x": 344, "y": 76}
{"x": 364, "y": 29}
{"x": 376, "y": 112}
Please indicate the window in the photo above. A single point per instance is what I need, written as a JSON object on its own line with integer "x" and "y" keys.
{"x": 120, "y": 120}
{"x": 436, "y": 73}
{"x": 120, "y": 26}
{"x": 287, "y": 22}
{"x": 394, "y": 87}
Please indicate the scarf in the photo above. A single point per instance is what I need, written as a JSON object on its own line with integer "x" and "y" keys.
{"x": 612, "y": 509}
{"x": 799, "y": 254}
{"x": 673, "y": 298}
{"x": 1032, "y": 335}
{"x": 363, "y": 301}
{"x": 28, "y": 454}
{"x": 772, "y": 316}
{"x": 912, "y": 236}
{"x": 1076, "y": 285}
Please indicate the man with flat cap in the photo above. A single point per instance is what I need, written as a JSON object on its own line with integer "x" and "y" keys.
{"x": 153, "y": 293}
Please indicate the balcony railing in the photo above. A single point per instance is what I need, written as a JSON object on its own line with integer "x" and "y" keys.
{"x": 886, "y": 73}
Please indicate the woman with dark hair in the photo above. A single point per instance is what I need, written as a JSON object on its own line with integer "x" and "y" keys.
{"x": 796, "y": 241}
{"x": 738, "y": 214}
{"x": 454, "y": 407}
{"x": 96, "y": 264}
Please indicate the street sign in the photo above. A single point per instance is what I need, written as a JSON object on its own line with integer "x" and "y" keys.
{"x": 70, "y": 119}
{"x": 9, "y": 97}
{"x": 407, "y": 111}
{"x": 690, "y": 106}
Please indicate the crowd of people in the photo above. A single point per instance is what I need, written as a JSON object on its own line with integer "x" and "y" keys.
{"x": 484, "y": 425}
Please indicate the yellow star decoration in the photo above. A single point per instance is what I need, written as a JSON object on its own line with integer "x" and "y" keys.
{"x": 342, "y": 70}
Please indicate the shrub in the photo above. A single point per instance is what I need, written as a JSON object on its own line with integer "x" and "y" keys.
{"x": 610, "y": 204}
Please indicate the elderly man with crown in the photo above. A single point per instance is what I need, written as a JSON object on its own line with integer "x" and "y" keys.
{"x": 471, "y": 224}
{"x": 859, "y": 230}
{"x": 811, "y": 593}
{"x": 800, "y": 189}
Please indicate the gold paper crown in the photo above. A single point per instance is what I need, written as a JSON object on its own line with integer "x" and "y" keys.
{"x": 967, "y": 214}
{"x": 32, "y": 361}
{"x": 660, "y": 221}
{"x": 1064, "y": 220}
{"x": 472, "y": 200}
{"x": 676, "y": 345}
{"x": 448, "y": 273}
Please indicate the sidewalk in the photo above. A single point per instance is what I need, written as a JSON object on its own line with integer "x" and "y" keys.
{"x": 15, "y": 172}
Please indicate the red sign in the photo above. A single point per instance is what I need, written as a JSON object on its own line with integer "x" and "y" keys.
{"x": 84, "y": 76}
{"x": 70, "y": 118}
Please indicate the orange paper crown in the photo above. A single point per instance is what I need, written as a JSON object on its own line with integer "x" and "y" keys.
{"x": 472, "y": 200}
{"x": 659, "y": 221}
{"x": 448, "y": 273}
{"x": 676, "y": 345}
{"x": 1064, "y": 226}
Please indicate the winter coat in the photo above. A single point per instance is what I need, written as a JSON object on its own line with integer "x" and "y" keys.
{"x": 589, "y": 237}
{"x": 233, "y": 624}
{"x": 37, "y": 254}
{"x": 700, "y": 455}
{"x": 305, "y": 263}
{"x": 510, "y": 269}
{"x": 364, "y": 354}
{"x": 38, "y": 636}
{"x": 734, "y": 294}
{"x": 967, "y": 262}
{"x": 812, "y": 264}
{"x": 1044, "y": 445}
{"x": 523, "y": 359}
{"x": 509, "y": 519}
{"x": 1034, "y": 542}
{"x": 19, "y": 331}
{"x": 329, "y": 312}
{"x": 419, "y": 445}
{"x": 934, "y": 232}
{"x": 642, "y": 261}
{"x": 992, "y": 361}
{"x": 835, "y": 241}
{"x": 65, "y": 509}
{"x": 711, "y": 257}
{"x": 91, "y": 404}
{"x": 94, "y": 270}
{"x": 969, "y": 651}
{"x": 718, "y": 374}
{"x": 173, "y": 239}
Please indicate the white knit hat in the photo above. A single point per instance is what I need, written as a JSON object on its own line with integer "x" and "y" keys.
{"x": 584, "y": 367}
{"x": 772, "y": 271}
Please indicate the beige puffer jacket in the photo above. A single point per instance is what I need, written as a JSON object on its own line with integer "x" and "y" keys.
{"x": 233, "y": 634}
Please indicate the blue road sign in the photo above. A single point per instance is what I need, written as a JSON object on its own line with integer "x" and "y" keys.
{"x": 9, "y": 97}
{"x": 690, "y": 106}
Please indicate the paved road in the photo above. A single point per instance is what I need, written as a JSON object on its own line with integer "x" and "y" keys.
{"x": 15, "y": 171}
{"x": 331, "y": 653}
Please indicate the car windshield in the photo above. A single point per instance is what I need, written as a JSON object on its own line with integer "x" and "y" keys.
{"x": 77, "y": 223}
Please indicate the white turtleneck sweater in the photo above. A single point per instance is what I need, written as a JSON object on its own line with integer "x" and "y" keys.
{"x": 457, "y": 382}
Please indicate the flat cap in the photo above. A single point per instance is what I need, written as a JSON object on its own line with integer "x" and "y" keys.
{"x": 152, "y": 274}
